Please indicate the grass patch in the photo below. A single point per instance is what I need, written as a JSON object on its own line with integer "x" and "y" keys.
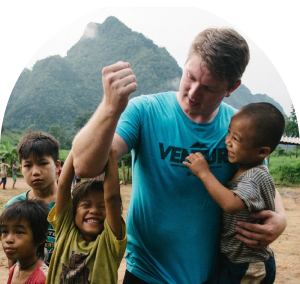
{"x": 285, "y": 171}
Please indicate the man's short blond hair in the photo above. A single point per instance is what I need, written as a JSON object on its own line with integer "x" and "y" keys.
{"x": 224, "y": 51}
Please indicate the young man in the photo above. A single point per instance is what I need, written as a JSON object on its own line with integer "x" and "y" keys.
{"x": 172, "y": 222}
{"x": 254, "y": 132}
{"x": 38, "y": 154}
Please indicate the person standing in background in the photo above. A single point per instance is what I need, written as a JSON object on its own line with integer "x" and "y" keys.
{"x": 3, "y": 172}
{"x": 15, "y": 173}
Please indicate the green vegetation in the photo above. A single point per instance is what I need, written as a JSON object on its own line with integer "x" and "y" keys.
{"x": 284, "y": 165}
{"x": 125, "y": 168}
{"x": 8, "y": 152}
{"x": 128, "y": 175}
{"x": 11, "y": 136}
{"x": 82, "y": 119}
{"x": 65, "y": 141}
{"x": 284, "y": 168}
{"x": 63, "y": 154}
{"x": 291, "y": 125}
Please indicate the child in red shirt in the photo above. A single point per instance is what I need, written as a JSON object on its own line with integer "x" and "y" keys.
{"x": 24, "y": 228}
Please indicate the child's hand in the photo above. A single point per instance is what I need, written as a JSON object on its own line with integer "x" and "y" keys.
{"x": 197, "y": 164}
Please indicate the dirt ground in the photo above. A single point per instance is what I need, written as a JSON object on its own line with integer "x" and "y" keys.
{"x": 286, "y": 247}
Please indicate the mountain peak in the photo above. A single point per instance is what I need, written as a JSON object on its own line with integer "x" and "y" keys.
{"x": 91, "y": 31}
{"x": 112, "y": 20}
{"x": 111, "y": 26}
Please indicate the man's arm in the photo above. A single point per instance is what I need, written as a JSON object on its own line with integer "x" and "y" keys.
{"x": 261, "y": 235}
{"x": 92, "y": 144}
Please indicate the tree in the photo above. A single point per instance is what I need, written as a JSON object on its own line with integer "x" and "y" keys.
{"x": 126, "y": 163}
{"x": 82, "y": 119}
{"x": 9, "y": 153}
{"x": 291, "y": 125}
{"x": 55, "y": 130}
{"x": 65, "y": 142}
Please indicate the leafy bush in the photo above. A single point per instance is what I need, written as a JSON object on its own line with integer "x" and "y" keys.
{"x": 279, "y": 152}
{"x": 63, "y": 154}
{"x": 8, "y": 152}
{"x": 289, "y": 174}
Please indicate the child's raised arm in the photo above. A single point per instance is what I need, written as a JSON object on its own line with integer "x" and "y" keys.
{"x": 112, "y": 195}
{"x": 65, "y": 184}
{"x": 226, "y": 199}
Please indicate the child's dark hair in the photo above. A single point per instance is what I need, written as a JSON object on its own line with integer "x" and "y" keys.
{"x": 35, "y": 211}
{"x": 3, "y": 159}
{"x": 267, "y": 121}
{"x": 38, "y": 144}
{"x": 82, "y": 189}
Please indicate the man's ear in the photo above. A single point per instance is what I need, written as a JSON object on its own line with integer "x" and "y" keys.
{"x": 264, "y": 152}
{"x": 235, "y": 86}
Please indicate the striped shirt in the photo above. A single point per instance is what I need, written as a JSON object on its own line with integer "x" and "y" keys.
{"x": 257, "y": 189}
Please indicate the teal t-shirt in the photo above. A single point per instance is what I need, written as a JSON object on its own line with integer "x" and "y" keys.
{"x": 50, "y": 241}
{"x": 172, "y": 223}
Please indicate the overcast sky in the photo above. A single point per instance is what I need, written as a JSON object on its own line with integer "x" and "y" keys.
{"x": 173, "y": 26}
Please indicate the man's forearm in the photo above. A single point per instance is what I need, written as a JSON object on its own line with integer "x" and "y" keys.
{"x": 279, "y": 208}
{"x": 261, "y": 235}
{"x": 92, "y": 144}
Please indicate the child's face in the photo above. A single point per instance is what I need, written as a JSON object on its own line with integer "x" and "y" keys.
{"x": 90, "y": 215}
{"x": 17, "y": 240}
{"x": 39, "y": 173}
{"x": 239, "y": 143}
